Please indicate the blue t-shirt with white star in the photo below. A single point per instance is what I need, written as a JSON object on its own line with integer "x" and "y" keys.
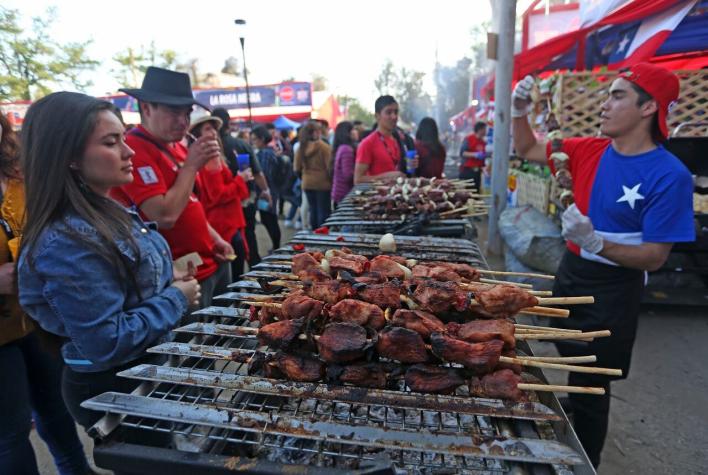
{"x": 642, "y": 198}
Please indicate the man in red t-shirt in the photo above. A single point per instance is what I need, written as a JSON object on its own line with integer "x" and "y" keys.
{"x": 378, "y": 155}
{"x": 473, "y": 152}
{"x": 166, "y": 175}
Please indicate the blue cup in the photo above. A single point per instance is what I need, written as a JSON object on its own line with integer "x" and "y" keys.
{"x": 244, "y": 161}
{"x": 262, "y": 204}
{"x": 410, "y": 156}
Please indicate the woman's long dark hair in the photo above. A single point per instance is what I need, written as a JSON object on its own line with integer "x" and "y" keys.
{"x": 342, "y": 136}
{"x": 428, "y": 134}
{"x": 306, "y": 136}
{"x": 9, "y": 149}
{"x": 54, "y": 135}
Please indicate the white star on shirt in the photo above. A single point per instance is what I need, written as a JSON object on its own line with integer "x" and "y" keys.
{"x": 631, "y": 195}
{"x": 622, "y": 44}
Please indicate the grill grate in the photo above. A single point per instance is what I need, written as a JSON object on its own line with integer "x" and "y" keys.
{"x": 207, "y": 404}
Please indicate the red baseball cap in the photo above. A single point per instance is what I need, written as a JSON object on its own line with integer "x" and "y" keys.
{"x": 661, "y": 84}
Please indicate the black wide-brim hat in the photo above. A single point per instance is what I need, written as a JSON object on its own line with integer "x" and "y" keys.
{"x": 163, "y": 86}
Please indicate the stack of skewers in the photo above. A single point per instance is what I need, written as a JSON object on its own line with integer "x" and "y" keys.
{"x": 444, "y": 198}
{"x": 372, "y": 322}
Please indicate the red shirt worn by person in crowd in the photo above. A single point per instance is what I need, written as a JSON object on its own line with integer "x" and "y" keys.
{"x": 380, "y": 152}
{"x": 474, "y": 144}
{"x": 430, "y": 163}
{"x": 154, "y": 173}
{"x": 221, "y": 197}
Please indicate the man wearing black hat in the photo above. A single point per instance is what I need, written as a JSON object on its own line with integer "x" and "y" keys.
{"x": 166, "y": 174}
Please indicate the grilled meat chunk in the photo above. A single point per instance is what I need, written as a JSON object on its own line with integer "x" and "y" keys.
{"x": 516, "y": 368}
{"x": 433, "y": 379}
{"x": 388, "y": 267}
{"x": 297, "y": 305}
{"x": 354, "y": 263}
{"x": 476, "y": 331}
{"x": 304, "y": 261}
{"x": 265, "y": 315}
{"x": 356, "y": 311}
{"x": 440, "y": 273}
{"x": 481, "y": 358}
{"x": 385, "y": 295}
{"x": 280, "y": 334}
{"x": 466, "y": 272}
{"x": 330, "y": 291}
{"x": 421, "y": 322}
{"x": 503, "y": 301}
{"x": 313, "y": 274}
{"x": 299, "y": 367}
{"x": 401, "y": 344}
{"x": 500, "y": 384}
{"x": 342, "y": 343}
{"x": 367, "y": 375}
{"x": 370, "y": 278}
{"x": 438, "y": 297}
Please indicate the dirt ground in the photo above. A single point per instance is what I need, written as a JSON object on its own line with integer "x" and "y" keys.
{"x": 659, "y": 415}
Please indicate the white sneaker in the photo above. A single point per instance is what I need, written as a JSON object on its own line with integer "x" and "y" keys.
{"x": 288, "y": 223}
{"x": 298, "y": 224}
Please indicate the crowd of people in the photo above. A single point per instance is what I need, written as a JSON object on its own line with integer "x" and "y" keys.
{"x": 113, "y": 235}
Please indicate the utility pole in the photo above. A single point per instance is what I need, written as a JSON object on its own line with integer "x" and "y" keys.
{"x": 502, "y": 120}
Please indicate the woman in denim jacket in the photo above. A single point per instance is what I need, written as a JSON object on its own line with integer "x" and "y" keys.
{"x": 91, "y": 272}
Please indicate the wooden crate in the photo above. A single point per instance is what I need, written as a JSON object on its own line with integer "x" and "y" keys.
{"x": 581, "y": 94}
{"x": 532, "y": 190}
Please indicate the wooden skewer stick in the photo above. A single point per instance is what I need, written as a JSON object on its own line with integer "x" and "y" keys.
{"x": 546, "y": 312}
{"x": 515, "y": 284}
{"x": 564, "y": 367}
{"x": 564, "y": 336}
{"x": 543, "y": 329}
{"x": 519, "y": 274}
{"x": 560, "y": 389}
{"x": 561, "y": 359}
{"x": 453, "y": 211}
{"x": 566, "y": 300}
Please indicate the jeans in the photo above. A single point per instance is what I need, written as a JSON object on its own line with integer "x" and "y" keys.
{"x": 30, "y": 387}
{"x": 320, "y": 206}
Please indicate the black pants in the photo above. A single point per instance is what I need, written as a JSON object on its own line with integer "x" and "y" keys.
{"x": 237, "y": 266}
{"x": 466, "y": 173}
{"x": 618, "y": 293}
{"x": 320, "y": 206}
{"x": 249, "y": 212}
{"x": 270, "y": 221}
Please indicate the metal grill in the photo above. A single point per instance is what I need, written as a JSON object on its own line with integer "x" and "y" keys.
{"x": 221, "y": 419}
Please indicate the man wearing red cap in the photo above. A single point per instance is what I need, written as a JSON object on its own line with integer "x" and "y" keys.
{"x": 633, "y": 200}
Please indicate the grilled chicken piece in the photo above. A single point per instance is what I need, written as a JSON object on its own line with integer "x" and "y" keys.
{"x": 346, "y": 263}
{"x": 299, "y": 367}
{"x": 516, "y": 368}
{"x": 481, "y": 358}
{"x": 356, "y": 311}
{"x": 370, "y": 278}
{"x": 401, "y": 344}
{"x": 280, "y": 334}
{"x": 388, "y": 267}
{"x": 476, "y": 331}
{"x": 438, "y": 297}
{"x": 265, "y": 315}
{"x": 440, "y": 273}
{"x": 304, "y": 261}
{"x": 342, "y": 343}
{"x": 330, "y": 291}
{"x": 421, "y": 322}
{"x": 500, "y": 384}
{"x": 399, "y": 259}
{"x": 465, "y": 271}
{"x": 433, "y": 379}
{"x": 297, "y": 305}
{"x": 503, "y": 301}
{"x": 313, "y": 274}
{"x": 385, "y": 295}
{"x": 367, "y": 375}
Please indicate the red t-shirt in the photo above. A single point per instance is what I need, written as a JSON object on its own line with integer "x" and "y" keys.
{"x": 476, "y": 145}
{"x": 154, "y": 173}
{"x": 221, "y": 197}
{"x": 381, "y": 153}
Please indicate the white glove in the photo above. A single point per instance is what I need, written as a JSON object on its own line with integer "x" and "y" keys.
{"x": 578, "y": 229}
{"x": 521, "y": 97}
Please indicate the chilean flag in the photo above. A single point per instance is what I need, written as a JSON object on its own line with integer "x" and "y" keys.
{"x": 628, "y": 34}
{"x": 619, "y": 46}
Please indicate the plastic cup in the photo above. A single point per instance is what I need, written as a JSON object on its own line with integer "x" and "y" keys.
{"x": 244, "y": 161}
{"x": 410, "y": 156}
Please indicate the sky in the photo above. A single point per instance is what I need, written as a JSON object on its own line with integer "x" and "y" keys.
{"x": 346, "y": 42}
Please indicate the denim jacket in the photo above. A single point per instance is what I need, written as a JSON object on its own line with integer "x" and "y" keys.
{"x": 75, "y": 293}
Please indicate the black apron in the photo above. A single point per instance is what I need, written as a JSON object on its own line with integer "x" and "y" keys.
{"x": 618, "y": 294}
